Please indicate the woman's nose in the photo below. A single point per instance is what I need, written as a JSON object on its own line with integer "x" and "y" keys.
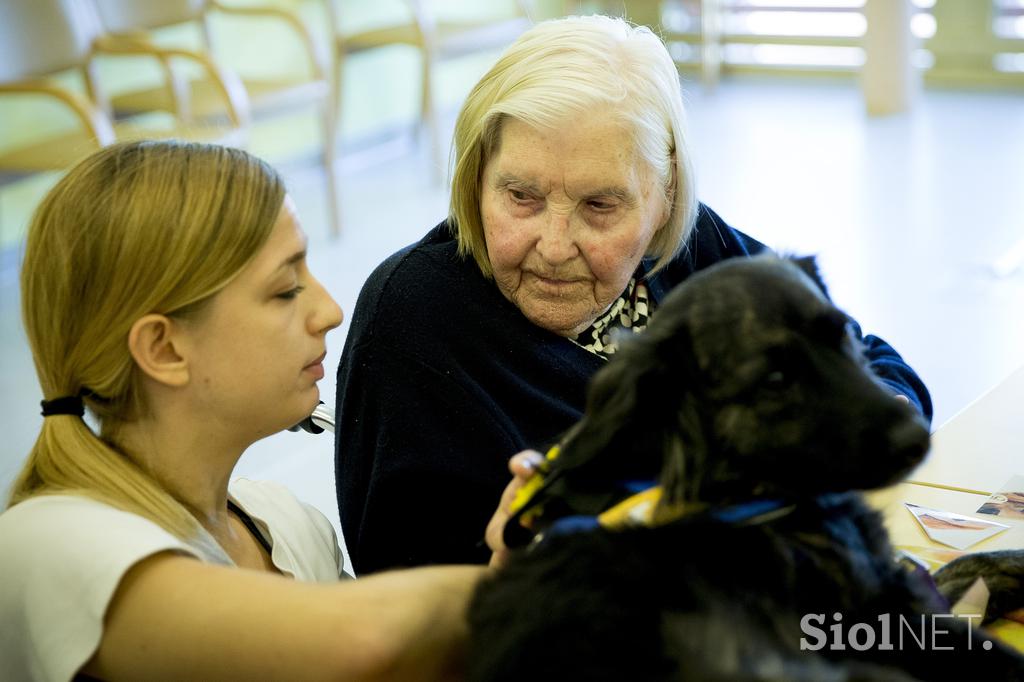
{"x": 556, "y": 244}
{"x": 327, "y": 314}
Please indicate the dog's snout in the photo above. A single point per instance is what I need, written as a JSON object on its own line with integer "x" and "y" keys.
{"x": 909, "y": 439}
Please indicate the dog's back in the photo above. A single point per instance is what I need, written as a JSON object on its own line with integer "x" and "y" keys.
{"x": 696, "y": 599}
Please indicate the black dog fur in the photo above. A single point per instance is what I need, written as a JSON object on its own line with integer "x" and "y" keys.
{"x": 746, "y": 386}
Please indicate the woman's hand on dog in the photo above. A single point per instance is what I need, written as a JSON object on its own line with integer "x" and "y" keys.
{"x": 522, "y": 466}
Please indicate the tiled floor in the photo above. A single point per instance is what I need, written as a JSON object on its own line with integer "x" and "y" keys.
{"x": 906, "y": 213}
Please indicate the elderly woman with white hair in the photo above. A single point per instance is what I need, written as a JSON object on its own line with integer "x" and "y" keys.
{"x": 572, "y": 215}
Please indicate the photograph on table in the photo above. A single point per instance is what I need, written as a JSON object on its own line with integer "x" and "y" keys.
{"x": 954, "y": 530}
{"x": 1009, "y": 502}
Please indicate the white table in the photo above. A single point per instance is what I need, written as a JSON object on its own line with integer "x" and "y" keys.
{"x": 982, "y": 446}
{"x": 906, "y": 533}
{"x": 972, "y": 455}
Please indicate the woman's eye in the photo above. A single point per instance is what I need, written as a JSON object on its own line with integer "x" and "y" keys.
{"x": 291, "y": 293}
{"x": 599, "y": 205}
{"x": 519, "y": 195}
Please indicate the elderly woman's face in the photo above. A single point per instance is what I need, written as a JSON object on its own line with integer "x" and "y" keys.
{"x": 567, "y": 214}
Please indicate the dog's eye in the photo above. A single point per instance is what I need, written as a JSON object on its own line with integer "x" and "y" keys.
{"x": 776, "y": 379}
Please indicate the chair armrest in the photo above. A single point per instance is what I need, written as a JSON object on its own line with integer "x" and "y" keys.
{"x": 91, "y": 118}
{"x": 291, "y": 19}
{"x": 227, "y": 82}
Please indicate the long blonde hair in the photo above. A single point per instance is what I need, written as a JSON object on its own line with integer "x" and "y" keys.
{"x": 557, "y": 71}
{"x": 137, "y": 228}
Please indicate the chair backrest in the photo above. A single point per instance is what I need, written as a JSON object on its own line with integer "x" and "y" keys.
{"x": 39, "y": 37}
{"x": 349, "y": 17}
{"x": 129, "y": 15}
{"x": 354, "y": 16}
{"x": 477, "y": 12}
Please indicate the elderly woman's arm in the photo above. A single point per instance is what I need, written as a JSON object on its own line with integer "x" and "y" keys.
{"x": 440, "y": 382}
{"x": 421, "y": 462}
{"x": 895, "y": 373}
{"x": 173, "y": 617}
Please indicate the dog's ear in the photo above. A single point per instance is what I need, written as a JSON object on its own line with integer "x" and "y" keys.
{"x": 618, "y": 402}
{"x": 809, "y": 266}
{"x": 684, "y": 450}
{"x": 633, "y": 410}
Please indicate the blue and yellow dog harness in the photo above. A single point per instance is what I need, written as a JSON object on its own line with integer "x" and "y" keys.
{"x": 632, "y": 504}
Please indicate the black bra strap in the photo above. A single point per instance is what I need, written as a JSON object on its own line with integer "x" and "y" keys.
{"x": 251, "y": 525}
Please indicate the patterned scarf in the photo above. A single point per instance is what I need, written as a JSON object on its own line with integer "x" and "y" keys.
{"x": 630, "y": 312}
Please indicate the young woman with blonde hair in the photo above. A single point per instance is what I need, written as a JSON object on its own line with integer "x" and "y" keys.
{"x": 165, "y": 290}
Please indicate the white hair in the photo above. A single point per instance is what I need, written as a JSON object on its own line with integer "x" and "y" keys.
{"x": 559, "y": 70}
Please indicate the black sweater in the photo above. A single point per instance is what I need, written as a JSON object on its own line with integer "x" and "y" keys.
{"x": 442, "y": 380}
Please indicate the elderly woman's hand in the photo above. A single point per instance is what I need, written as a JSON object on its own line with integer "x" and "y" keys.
{"x": 522, "y": 466}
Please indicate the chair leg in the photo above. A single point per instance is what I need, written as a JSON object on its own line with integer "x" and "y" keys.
{"x": 330, "y": 130}
{"x": 428, "y": 117}
{"x": 331, "y": 124}
{"x": 336, "y": 91}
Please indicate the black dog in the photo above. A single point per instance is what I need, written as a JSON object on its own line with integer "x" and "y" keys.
{"x": 749, "y": 401}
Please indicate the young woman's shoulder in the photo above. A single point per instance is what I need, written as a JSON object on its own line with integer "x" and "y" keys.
{"x": 63, "y": 558}
{"x": 50, "y": 529}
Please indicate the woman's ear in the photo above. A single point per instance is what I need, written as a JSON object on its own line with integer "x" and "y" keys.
{"x": 151, "y": 341}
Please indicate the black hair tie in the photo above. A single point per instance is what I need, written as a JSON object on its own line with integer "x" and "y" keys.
{"x": 69, "y": 404}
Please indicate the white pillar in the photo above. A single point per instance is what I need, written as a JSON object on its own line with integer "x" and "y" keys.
{"x": 710, "y": 42}
{"x": 889, "y": 79}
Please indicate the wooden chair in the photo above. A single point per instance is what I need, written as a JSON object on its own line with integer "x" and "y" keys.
{"x": 37, "y": 40}
{"x": 434, "y": 36}
{"x": 42, "y": 44}
{"x": 197, "y": 98}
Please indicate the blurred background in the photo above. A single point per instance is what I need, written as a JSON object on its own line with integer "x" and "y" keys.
{"x": 885, "y": 136}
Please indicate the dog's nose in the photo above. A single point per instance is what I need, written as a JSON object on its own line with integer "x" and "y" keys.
{"x": 909, "y": 439}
